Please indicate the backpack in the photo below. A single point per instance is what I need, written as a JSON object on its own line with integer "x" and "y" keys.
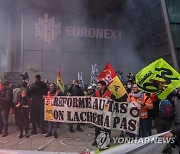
{"x": 166, "y": 110}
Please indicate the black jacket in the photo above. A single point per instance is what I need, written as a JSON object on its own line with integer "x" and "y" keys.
{"x": 23, "y": 102}
{"x": 38, "y": 89}
{"x": 75, "y": 90}
{"x": 176, "y": 130}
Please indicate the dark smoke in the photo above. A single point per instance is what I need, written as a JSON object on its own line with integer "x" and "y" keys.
{"x": 77, "y": 54}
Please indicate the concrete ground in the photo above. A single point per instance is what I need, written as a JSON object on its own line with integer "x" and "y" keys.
{"x": 66, "y": 141}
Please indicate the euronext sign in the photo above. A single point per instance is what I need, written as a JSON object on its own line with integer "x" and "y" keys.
{"x": 48, "y": 30}
{"x": 92, "y": 32}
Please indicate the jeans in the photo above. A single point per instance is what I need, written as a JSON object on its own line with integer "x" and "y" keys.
{"x": 4, "y": 120}
{"x": 71, "y": 125}
{"x": 52, "y": 127}
{"x": 23, "y": 118}
{"x": 145, "y": 127}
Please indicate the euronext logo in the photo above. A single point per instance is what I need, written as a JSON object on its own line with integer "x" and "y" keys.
{"x": 48, "y": 29}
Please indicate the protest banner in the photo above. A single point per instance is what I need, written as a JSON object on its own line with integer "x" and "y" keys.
{"x": 102, "y": 112}
{"x": 13, "y": 78}
{"x": 158, "y": 78}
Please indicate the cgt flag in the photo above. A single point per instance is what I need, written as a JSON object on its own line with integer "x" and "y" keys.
{"x": 113, "y": 82}
{"x": 60, "y": 83}
{"x": 158, "y": 78}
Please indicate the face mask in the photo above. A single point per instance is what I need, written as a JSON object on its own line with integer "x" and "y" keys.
{"x": 129, "y": 86}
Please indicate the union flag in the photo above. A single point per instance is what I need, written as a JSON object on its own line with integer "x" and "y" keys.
{"x": 112, "y": 81}
{"x": 60, "y": 83}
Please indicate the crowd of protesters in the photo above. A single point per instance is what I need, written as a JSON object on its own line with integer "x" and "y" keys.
{"x": 27, "y": 102}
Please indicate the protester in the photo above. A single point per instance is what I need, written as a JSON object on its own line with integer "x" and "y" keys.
{"x": 103, "y": 92}
{"x": 165, "y": 117}
{"x": 52, "y": 126}
{"x": 129, "y": 85}
{"x": 22, "y": 106}
{"x": 75, "y": 90}
{"x": 174, "y": 132}
{"x": 16, "y": 92}
{"x": 139, "y": 97}
{"x": 164, "y": 120}
{"x": 4, "y": 99}
{"x": 176, "y": 120}
{"x": 10, "y": 88}
{"x": 37, "y": 90}
{"x": 90, "y": 91}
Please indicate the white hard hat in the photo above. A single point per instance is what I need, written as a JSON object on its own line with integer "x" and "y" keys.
{"x": 90, "y": 87}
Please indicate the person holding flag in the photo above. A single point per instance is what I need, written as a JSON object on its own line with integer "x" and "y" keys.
{"x": 103, "y": 92}
{"x": 52, "y": 126}
{"x": 75, "y": 90}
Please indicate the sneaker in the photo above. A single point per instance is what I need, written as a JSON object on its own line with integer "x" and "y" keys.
{"x": 48, "y": 135}
{"x": 169, "y": 151}
{"x": 79, "y": 129}
{"x": 27, "y": 135}
{"x": 5, "y": 134}
{"x": 55, "y": 135}
{"x": 21, "y": 136}
{"x": 44, "y": 132}
{"x": 94, "y": 143}
{"x": 71, "y": 130}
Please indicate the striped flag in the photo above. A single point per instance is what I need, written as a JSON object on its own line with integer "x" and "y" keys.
{"x": 80, "y": 79}
{"x": 94, "y": 74}
{"x": 60, "y": 83}
{"x": 112, "y": 81}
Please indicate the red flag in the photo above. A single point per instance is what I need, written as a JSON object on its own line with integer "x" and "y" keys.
{"x": 112, "y": 81}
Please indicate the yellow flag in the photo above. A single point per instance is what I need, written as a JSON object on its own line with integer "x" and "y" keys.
{"x": 158, "y": 78}
{"x": 60, "y": 83}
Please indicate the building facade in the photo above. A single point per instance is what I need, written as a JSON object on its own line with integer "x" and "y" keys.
{"x": 73, "y": 35}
